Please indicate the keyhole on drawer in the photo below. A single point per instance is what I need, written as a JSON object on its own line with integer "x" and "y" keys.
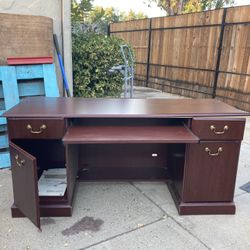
{"x": 154, "y": 155}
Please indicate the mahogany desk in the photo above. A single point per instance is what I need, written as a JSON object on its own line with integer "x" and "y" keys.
{"x": 193, "y": 144}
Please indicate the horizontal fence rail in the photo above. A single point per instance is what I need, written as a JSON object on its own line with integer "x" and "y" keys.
{"x": 199, "y": 55}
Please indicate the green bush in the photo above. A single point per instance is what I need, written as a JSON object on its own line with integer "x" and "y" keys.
{"x": 93, "y": 56}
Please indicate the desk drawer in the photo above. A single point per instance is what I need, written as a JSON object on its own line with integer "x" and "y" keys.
{"x": 36, "y": 128}
{"x": 210, "y": 171}
{"x": 218, "y": 128}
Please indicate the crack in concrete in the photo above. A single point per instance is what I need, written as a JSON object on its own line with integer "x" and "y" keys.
{"x": 10, "y": 7}
{"x": 171, "y": 217}
{"x": 148, "y": 224}
{"x": 148, "y": 198}
{"x": 134, "y": 229}
{"x": 121, "y": 234}
{"x": 244, "y": 192}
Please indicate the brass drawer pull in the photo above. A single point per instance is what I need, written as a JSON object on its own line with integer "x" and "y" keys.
{"x": 19, "y": 163}
{"x": 29, "y": 127}
{"x": 213, "y": 154}
{"x": 213, "y": 128}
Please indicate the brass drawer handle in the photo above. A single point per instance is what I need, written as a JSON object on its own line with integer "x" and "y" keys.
{"x": 213, "y": 128}
{"x": 19, "y": 163}
{"x": 213, "y": 154}
{"x": 29, "y": 127}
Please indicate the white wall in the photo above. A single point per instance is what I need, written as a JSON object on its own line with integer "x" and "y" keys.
{"x": 59, "y": 11}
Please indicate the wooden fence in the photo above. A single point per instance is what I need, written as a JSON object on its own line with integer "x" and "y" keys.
{"x": 200, "y": 55}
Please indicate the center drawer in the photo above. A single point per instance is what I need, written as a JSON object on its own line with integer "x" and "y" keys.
{"x": 36, "y": 128}
{"x": 218, "y": 128}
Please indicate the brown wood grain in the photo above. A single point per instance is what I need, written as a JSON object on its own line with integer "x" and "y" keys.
{"x": 25, "y": 187}
{"x": 123, "y": 161}
{"x": 48, "y": 210}
{"x": 72, "y": 160}
{"x": 55, "y": 128}
{"x": 25, "y": 36}
{"x": 199, "y": 208}
{"x": 206, "y": 208}
{"x": 210, "y": 178}
{"x": 201, "y": 128}
{"x": 60, "y": 107}
{"x": 238, "y": 14}
{"x": 131, "y": 134}
{"x": 201, "y": 18}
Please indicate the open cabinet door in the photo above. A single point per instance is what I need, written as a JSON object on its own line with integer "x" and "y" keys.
{"x": 25, "y": 187}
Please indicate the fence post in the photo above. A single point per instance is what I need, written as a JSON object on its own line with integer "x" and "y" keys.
{"x": 149, "y": 49}
{"x": 108, "y": 33}
{"x": 217, "y": 69}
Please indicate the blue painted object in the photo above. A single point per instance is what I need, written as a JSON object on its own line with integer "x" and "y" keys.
{"x": 16, "y": 83}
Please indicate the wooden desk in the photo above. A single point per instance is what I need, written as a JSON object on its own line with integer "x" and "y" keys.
{"x": 192, "y": 144}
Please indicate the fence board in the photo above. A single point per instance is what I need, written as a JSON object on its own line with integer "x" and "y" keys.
{"x": 199, "y": 19}
{"x": 185, "y": 48}
{"x": 238, "y": 14}
{"x": 134, "y": 25}
{"x": 236, "y": 49}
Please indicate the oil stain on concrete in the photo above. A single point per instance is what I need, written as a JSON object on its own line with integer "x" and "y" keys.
{"x": 85, "y": 224}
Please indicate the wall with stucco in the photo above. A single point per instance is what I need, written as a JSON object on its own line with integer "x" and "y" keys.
{"x": 59, "y": 11}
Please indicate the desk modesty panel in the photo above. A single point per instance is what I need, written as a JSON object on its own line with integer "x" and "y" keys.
{"x": 191, "y": 144}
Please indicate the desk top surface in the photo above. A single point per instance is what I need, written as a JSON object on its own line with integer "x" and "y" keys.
{"x": 48, "y": 107}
